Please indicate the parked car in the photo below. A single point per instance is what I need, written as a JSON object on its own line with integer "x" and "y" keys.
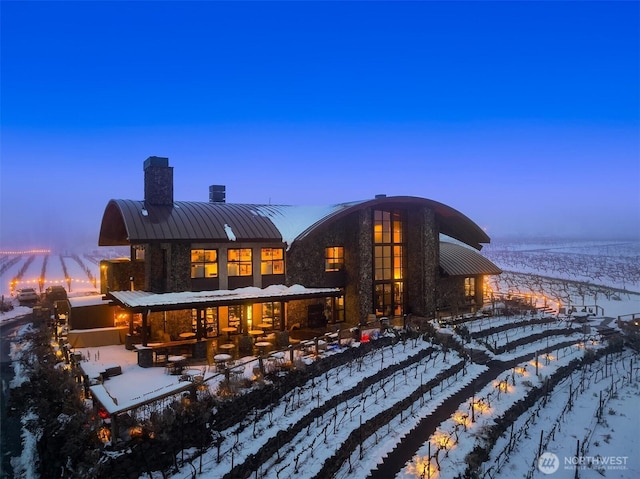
{"x": 55, "y": 293}
{"x": 27, "y": 296}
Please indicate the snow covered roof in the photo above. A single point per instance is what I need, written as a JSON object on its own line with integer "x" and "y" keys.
{"x": 89, "y": 300}
{"x": 144, "y": 300}
{"x": 130, "y": 221}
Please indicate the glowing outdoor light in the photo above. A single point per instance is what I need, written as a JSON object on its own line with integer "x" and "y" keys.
{"x": 535, "y": 363}
{"x": 441, "y": 440}
{"x": 104, "y": 434}
{"x": 521, "y": 371}
{"x": 461, "y": 418}
{"x": 503, "y": 386}
{"x": 422, "y": 467}
{"x": 480, "y": 406}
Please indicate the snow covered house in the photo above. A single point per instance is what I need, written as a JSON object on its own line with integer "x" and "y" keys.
{"x": 213, "y": 267}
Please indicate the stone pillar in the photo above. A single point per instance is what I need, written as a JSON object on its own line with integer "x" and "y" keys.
{"x": 199, "y": 349}
{"x": 145, "y": 356}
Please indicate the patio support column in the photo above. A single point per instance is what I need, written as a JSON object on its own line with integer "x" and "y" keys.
{"x": 282, "y": 323}
{"x": 199, "y": 321}
{"x": 145, "y": 328}
{"x": 285, "y": 315}
{"x": 114, "y": 428}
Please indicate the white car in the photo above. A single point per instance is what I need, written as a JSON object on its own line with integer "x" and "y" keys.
{"x": 27, "y": 295}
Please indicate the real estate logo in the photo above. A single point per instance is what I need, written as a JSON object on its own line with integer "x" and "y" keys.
{"x": 548, "y": 463}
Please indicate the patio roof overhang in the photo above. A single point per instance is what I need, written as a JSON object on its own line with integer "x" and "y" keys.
{"x": 141, "y": 301}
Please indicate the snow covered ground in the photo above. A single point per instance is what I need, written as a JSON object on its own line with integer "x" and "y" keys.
{"x": 607, "y": 429}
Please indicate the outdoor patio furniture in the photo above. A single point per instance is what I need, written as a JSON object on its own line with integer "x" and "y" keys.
{"x": 220, "y": 361}
{"x": 176, "y": 364}
{"x": 262, "y": 346}
{"x": 229, "y": 330}
{"x": 255, "y": 333}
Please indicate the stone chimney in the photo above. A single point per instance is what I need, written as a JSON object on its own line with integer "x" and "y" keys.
{"x": 158, "y": 181}
{"x": 217, "y": 194}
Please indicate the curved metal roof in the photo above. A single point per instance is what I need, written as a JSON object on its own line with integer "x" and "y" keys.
{"x": 457, "y": 260}
{"x": 129, "y": 221}
{"x": 451, "y": 222}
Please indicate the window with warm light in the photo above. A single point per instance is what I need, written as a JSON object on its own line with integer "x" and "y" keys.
{"x": 334, "y": 258}
{"x": 204, "y": 263}
{"x": 234, "y": 316}
{"x": 470, "y": 288}
{"x": 271, "y": 314}
{"x": 272, "y": 261}
{"x": 210, "y": 321}
{"x": 138, "y": 252}
{"x": 239, "y": 262}
{"x": 388, "y": 262}
{"x": 336, "y": 306}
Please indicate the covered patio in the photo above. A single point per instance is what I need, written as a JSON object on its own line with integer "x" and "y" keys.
{"x": 197, "y": 344}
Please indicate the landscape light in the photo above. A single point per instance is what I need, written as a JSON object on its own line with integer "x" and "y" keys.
{"x": 480, "y": 406}
{"x": 104, "y": 434}
{"x": 461, "y": 418}
{"x": 503, "y": 386}
{"x": 442, "y": 440}
{"x": 422, "y": 467}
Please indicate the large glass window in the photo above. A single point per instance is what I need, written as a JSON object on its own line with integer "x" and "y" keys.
{"x": 334, "y": 258}
{"x": 388, "y": 262}
{"x": 271, "y": 313}
{"x": 272, "y": 261}
{"x": 336, "y": 305}
{"x": 204, "y": 263}
{"x": 239, "y": 262}
{"x": 235, "y": 316}
{"x": 210, "y": 321}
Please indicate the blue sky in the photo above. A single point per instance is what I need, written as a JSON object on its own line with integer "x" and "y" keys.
{"x": 522, "y": 115}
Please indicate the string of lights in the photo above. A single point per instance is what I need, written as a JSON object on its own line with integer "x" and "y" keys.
{"x": 30, "y": 251}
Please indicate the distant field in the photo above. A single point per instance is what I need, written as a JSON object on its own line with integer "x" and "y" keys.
{"x": 78, "y": 272}
{"x": 570, "y": 273}
{"x": 596, "y": 273}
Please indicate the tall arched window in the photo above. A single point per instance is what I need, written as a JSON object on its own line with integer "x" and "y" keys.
{"x": 388, "y": 262}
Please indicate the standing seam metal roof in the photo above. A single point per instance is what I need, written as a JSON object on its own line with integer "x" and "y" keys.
{"x": 457, "y": 260}
{"x": 124, "y": 221}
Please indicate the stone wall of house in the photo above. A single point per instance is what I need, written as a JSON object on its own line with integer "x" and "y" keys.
{"x": 422, "y": 261}
{"x": 179, "y": 267}
{"x": 305, "y": 259}
{"x": 451, "y": 298}
{"x": 305, "y": 263}
{"x": 297, "y": 312}
{"x": 154, "y": 262}
{"x": 116, "y": 275}
{"x": 359, "y": 293}
{"x": 168, "y": 267}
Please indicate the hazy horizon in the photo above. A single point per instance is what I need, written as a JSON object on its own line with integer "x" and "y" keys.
{"x": 523, "y": 116}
